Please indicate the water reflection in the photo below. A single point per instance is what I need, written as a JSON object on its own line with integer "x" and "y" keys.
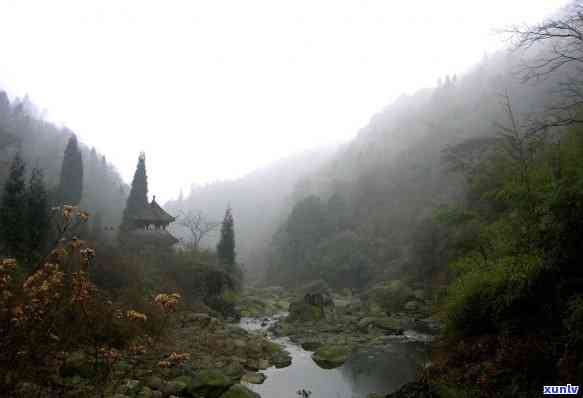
{"x": 383, "y": 370}
{"x": 380, "y": 370}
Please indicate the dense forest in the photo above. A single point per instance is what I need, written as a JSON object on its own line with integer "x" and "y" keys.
{"x": 381, "y": 192}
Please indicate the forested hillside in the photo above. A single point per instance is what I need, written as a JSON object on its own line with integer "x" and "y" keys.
{"x": 379, "y": 195}
{"x": 42, "y": 145}
{"x": 471, "y": 190}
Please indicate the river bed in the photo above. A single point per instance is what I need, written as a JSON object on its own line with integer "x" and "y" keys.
{"x": 380, "y": 369}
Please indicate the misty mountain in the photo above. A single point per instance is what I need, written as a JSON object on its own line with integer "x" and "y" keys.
{"x": 42, "y": 144}
{"x": 259, "y": 200}
{"x": 378, "y": 195}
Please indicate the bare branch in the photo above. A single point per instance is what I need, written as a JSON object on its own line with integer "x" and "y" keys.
{"x": 555, "y": 45}
{"x": 197, "y": 225}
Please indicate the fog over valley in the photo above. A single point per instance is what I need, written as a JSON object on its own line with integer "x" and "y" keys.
{"x": 255, "y": 81}
{"x": 348, "y": 199}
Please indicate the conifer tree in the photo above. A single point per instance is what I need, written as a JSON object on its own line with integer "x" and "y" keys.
{"x": 71, "y": 183}
{"x": 12, "y": 210}
{"x": 37, "y": 213}
{"x": 138, "y": 197}
{"x": 226, "y": 245}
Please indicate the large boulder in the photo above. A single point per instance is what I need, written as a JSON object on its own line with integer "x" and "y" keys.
{"x": 253, "y": 378}
{"x": 313, "y": 307}
{"x": 281, "y": 359}
{"x": 311, "y": 344}
{"x": 331, "y": 356}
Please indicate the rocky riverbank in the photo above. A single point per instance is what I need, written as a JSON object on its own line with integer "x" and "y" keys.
{"x": 201, "y": 356}
{"x": 345, "y": 332}
{"x": 334, "y": 325}
{"x": 205, "y": 356}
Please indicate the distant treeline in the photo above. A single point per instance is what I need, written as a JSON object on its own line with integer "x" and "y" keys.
{"x": 41, "y": 145}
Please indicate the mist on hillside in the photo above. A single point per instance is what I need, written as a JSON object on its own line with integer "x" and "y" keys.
{"x": 341, "y": 199}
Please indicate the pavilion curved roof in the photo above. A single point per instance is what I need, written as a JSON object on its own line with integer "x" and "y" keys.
{"x": 153, "y": 237}
{"x": 154, "y": 214}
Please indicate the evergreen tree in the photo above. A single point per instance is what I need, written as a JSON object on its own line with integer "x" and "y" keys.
{"x": 226, "y": 246}
{"x": 37, "y": 213}
{"x": 12, "y": 210}
{"x": 138, "y": 197}
{"x": 71, "y": 183}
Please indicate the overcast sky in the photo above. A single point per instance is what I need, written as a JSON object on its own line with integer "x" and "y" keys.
{"x": 213, "y": 89}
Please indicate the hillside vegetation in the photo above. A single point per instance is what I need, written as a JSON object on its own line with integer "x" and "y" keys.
{"x": 473, "y": 191}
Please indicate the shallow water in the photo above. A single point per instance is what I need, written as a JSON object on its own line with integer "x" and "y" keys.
{"x": 382, "y": 369}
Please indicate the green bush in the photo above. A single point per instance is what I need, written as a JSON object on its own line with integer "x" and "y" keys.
{"x": 393, "y": 296}
{"x": 488, "y": 299}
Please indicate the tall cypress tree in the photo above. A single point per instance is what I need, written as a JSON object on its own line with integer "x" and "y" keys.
{"x": 138, "y": 197}
{"x": 37, "y": 214}
{"x": 226, "y": 245}
{"x": 13, "y": 210}
{"x": 71, "y": 183}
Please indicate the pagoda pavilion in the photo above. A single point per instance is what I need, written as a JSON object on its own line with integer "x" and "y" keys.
{"x": 144, "y": 224}
{"x": 149, "y": 226}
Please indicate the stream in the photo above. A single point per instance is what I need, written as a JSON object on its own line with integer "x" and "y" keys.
{"x": 374, "y": 369}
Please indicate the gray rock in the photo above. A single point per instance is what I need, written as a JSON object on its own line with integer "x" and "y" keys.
{"x": 263, "y": 364}
{"x": 282, "y": 359}
{"x": 253, "y": 378}
{"x": 311, "y": 345}
{"x": 332, "y": 356}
